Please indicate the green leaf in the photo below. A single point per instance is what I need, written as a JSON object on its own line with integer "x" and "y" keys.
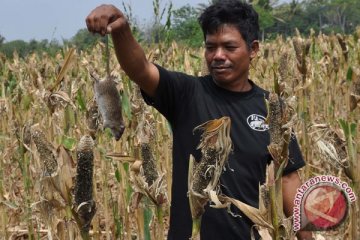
{"x": 194, "y": 56}
{"x": 126, "y": 167}
{"x": 280, "y": 170}
{"x": 80, "y": 100}
{"x": 345, "y": 126}
{"x": 108, "y": 133}
{"x": 349, "y": 74}
{"x": 26, "y": 102}
{"x": 118, "y": 228}
{"x": 68, "y": 143}
{"x": 147, "y": 220}
{"x": 353, "y": 128}
{"x": 129, "y": 192}
{"x": 125, "y": 102}
{"x": 117, "y": 175}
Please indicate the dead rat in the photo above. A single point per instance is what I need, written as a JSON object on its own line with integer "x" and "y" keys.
{"x": 108, "y": 100}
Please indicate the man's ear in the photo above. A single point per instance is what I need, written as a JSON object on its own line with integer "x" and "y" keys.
{"x": 254, "y": 49}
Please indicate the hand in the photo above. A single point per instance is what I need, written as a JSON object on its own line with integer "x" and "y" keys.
{"x": 105, "y": 19}
{"x": 304, "y": 235}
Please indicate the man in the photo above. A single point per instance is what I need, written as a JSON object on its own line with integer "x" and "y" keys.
{"x": 231, "y": 38}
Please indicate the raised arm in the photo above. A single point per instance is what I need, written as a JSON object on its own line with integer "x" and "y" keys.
{"x": 107, "y": 19}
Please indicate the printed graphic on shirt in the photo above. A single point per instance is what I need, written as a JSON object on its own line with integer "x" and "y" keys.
{"x": 257, "y": 122}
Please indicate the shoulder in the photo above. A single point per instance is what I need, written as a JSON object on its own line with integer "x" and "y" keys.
{"x": 171, "y": 74}
{"x": 259, "y": 90}
{"x": 179, "y": 82}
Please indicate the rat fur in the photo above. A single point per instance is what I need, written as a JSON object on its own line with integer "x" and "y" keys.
{"x": 108, "y": 100}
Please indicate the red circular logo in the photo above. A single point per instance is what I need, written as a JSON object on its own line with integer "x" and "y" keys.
{"x": 325, "y": 206}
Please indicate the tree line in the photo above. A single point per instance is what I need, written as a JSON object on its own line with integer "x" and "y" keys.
{"x": 180, "y": 25}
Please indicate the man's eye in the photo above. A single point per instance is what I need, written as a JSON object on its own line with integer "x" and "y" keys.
{"x": 231, "y": 48}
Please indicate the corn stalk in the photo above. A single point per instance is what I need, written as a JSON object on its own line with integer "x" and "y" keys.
{"x": 204, "y": 174}
{"x": 353, "y": 171}
{"x": 145, "y": 174}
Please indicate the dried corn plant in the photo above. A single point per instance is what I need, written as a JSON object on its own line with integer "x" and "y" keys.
{"x": 145, "y": 175}
{"x": 355, "y": 91}
{"x": 204, "y": 174}
{"x": 281, "y": 119}
{"x": 336, "y": 147}
{"x": 269, "y": 218}
{"x": 55, "y": 181}
{"x": 84, "y": 207}
{"x": 261, "y": 217}
{"x": 353, "y": 171}
{"x": 331, "y": 146}
{"x": 56, "y": 93}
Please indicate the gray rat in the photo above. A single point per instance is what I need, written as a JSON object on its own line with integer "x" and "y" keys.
{"x": 108, "y": 100}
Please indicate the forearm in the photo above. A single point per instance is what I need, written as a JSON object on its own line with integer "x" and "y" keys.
{"x": 133, "y": 60}
{"x": 107, "y": 19}
{"x": 291, "y": 183}
{"x": 128, "y": 52}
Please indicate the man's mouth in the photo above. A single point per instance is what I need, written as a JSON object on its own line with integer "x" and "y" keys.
{"x": 220, "y": 65}
{"x": 220, "y": 69}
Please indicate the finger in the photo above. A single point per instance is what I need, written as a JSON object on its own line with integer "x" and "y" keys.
{"x": 108, "y": 29}
{"x": 96, "y": 25}
{"x": 103, "y": 23}
{"x": 91, "y": 21}
{"x": 117, "y": 24}
{"x": 89, "y": 24}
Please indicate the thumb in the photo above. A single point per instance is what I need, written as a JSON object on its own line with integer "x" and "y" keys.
{"x": 108, "y": 28}
{"x": 116, "y": 25}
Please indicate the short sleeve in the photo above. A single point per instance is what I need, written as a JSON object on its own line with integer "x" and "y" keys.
{"x": 173, "y": 91}
{"x": 296, "y": 160}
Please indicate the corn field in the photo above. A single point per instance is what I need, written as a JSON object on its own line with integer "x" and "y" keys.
{"x": 47, "y": 114}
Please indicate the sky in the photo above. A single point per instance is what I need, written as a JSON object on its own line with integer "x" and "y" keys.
{"x": 61, "y": 19}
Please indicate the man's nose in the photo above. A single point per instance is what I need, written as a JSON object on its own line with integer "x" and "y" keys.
{"x": 219, "y": 54}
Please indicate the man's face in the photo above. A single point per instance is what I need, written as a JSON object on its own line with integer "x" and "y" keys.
{"x": 228, "y": 57}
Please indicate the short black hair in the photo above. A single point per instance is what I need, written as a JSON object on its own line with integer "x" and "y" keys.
{"x": 233, "y": 12}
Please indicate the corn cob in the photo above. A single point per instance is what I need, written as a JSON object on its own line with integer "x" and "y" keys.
{"x": 146, "y": 178}
{"x": 148, "y": 164}
{"x": 48, "y": 161}
{"x": 92, "y": 118}
{"x": 85, "y": 206}
{"x": 215, "y": 145}
{"x": 280, "y": 127}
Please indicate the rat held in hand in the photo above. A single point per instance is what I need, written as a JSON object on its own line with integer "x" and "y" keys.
{"x": 108, "y": 100}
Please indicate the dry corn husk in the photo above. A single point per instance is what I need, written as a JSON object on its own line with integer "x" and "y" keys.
{"x": 92, "y": 118}
{"x": 56, "y": 167}
{"x": 261, "y": 217}
{"x": 331, "y": 145}
{"x": 280, "y": 118}
{"x": 46, "y": 151}
{"x": 147, "y": 179}
{"x": 203, "y": 178}
{"x": 56, "y": 177}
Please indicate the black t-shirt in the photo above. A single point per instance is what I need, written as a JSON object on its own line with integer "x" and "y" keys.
{"x": 188, "y": 101}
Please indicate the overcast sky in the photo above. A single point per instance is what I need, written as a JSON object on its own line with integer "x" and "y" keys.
{"x": 61, "y": 19}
